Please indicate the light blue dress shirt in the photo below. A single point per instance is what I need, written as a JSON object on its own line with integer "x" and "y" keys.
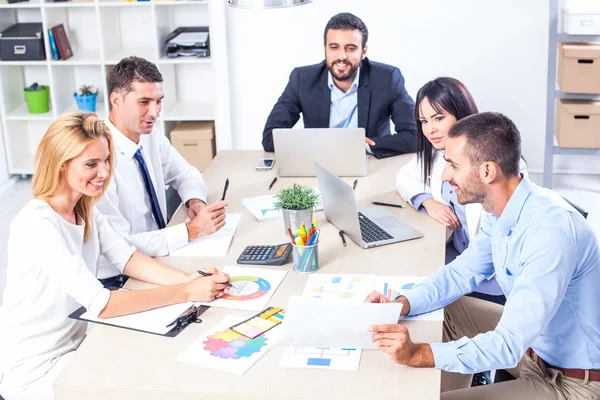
{"x": 344, "y": 106}
{"x": 547, "y": 262}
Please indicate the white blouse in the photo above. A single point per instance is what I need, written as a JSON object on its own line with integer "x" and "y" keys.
{"x": 51, "y": 273}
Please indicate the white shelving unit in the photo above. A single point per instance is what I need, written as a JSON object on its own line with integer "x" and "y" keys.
{"x": 101, "y": 33}
{"x": 554, "y": 93}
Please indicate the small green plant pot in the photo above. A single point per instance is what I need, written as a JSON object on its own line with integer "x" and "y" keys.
{"x": 38, "y": 102}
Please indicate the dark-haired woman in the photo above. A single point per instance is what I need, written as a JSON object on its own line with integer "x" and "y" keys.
{"x": 439, "y": 104}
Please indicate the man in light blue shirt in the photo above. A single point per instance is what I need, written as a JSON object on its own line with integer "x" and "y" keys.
{"x": 546, "y": 260}
{"x": 343, "y": 111}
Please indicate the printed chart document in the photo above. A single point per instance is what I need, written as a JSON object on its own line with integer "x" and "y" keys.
{"x": 333, "y": 324}
{"x": 347, "y": 287}
{"x": 252, "y": 288}
{"x": 342, "y": 359}
{"x": 262, "y": 208}
{"x": 215, "y": 245}
{"x": 225, "y": 350}
{"x": 394, "y": 286}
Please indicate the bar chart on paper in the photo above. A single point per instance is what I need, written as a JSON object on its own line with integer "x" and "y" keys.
{"x": 345, "y": 359}
{"x": 394, "y": 286}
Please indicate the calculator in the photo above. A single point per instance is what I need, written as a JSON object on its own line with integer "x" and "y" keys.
{"x": 265, "y": 255}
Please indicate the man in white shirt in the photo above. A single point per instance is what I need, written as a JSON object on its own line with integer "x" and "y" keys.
{"x": 135, "y": 200}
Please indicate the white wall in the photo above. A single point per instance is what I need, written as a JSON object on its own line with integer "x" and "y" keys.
{"x": 498, "y": 48}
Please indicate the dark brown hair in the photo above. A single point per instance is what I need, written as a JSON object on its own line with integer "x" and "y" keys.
{"x": 129, "y": 70}
{"x": 347, "y": 22}
{"x": 491, "y": 136}
{"x": 444, "y": 94}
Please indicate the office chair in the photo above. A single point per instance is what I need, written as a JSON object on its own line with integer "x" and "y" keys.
{"x": 579, "y": 209}
{"x": 173, "y": 202}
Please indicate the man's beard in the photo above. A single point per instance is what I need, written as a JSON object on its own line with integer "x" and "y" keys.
{"x": 346, "y": 76}
{"x": 473, "y": 191}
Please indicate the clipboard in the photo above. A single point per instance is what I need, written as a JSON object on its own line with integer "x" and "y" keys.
{"x": 190, "y": 315}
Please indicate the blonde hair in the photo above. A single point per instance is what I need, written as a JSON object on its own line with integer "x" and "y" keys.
{"x": 66, "y": 138}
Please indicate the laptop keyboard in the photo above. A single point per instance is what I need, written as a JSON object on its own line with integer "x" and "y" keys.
{"x": 371, "y": 232}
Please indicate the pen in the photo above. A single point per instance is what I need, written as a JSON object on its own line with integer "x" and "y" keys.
{"x": 272, "y": 183}
{"x": 205, "y": 274}
{"x": 225, "y": 188}
{"x": 378, "y": 203}
{"x": 354, "y": 185}
{"x": 343, "y": 238}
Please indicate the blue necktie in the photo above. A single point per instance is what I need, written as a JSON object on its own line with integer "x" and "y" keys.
{"x": 150, "y": 190}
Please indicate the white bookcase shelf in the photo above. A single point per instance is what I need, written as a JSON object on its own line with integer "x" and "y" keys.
{"x": 101, "y": 33}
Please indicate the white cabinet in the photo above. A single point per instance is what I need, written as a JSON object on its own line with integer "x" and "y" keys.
{"x": 101, "y": 33}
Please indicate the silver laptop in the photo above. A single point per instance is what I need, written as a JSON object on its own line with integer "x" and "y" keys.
{"x": 341, "y": 150}
{"x": 367, "y": 227}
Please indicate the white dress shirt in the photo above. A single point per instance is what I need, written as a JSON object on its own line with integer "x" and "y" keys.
{"x": 51, "y": 273}
{"x": 128, "y": 207}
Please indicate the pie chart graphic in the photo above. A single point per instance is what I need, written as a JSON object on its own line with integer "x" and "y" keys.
{"x": 247, "y": 288}
{"x": 408, "y": 286}
{"x": 231, "y": 345}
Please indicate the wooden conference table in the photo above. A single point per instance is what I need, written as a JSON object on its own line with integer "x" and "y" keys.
{"x": 114, "y": 363}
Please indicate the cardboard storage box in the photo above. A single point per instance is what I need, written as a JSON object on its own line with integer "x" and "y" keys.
{"x": 578, "y": 124}
{"x": 579, "y": 67}
{"x": 22, "y": 42}
{"x": 195, "y": 141}
{"x": 581, "y": 17}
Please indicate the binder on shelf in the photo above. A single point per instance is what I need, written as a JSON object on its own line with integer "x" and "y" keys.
{"x": 164, "y": 321}
{"x": 188, "y": 41}
{"x": 53, "y": 45}
{"x": 62, "y": 42}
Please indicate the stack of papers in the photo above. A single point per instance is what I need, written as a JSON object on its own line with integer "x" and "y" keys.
{"x": 215, "y": 245}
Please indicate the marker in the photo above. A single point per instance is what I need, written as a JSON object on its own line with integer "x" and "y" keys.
{"x": 225, "y": 188}
{"x": 272, "y": 183}
{"x": 343, "y": 238}
{"x": 378, "y": 203}
{"x": 354, "y": 185}
{"x": 205, "y": 274}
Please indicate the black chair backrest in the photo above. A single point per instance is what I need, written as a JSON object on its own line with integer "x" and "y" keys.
{"x": 575, "y": 206}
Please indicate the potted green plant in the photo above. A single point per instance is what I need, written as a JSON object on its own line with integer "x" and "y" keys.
{"x": 296, "y": 204}
{"x": 37, "y": 98}
{"x": 86, "y": 98}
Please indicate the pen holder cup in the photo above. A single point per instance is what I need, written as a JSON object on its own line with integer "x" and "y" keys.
{"x": 306, "y": 258}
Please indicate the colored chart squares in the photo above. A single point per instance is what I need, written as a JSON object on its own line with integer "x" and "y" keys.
{"x": 260, "y": 323}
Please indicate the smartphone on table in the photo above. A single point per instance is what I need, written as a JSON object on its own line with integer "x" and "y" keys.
{"x": 265, "y": 164}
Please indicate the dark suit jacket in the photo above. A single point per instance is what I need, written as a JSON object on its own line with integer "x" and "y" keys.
{"x": 381, "y": 95}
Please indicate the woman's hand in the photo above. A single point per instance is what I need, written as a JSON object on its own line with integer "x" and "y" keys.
{"x": 207, "y": 288}
{"x": 441, "y": 213}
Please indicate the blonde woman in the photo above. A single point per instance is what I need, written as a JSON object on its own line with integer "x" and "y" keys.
{"x": 53, "y": 251}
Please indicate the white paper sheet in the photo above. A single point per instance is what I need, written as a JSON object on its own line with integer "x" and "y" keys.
{"x": 394, "y": 286}
{"x": 215, "y": 245}
{"x": 252, "y": 288}
{"x": 225, "y": 350}
{"x": 348, "y": 287}
{"x": 154, "y": 321}
{"x": 262, "y": 209}
{"x": 321, "y": 358}
{"x": 335, "y": 324}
